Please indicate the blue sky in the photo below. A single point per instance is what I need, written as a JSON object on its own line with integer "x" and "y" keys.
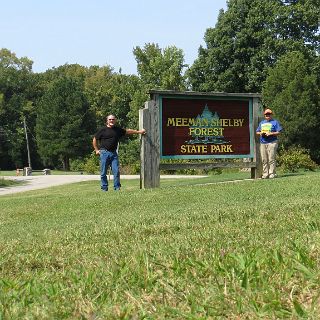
{"x": 103, "y": 32}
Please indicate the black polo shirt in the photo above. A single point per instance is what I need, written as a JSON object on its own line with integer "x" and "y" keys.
{"x": 108, "y": 138}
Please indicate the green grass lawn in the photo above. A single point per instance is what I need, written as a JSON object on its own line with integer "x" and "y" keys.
{"x": 239, "y": 250}
{"x": 7, "y": 183}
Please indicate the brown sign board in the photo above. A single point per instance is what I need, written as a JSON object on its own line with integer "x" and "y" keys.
{"x": 206, "y": 127}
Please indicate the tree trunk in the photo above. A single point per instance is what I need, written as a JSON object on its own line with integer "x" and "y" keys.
{"x": 66, "y": 163}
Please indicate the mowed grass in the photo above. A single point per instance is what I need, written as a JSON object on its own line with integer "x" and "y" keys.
{"x": 239, "y": 250}
{"x": 7, "y": 183}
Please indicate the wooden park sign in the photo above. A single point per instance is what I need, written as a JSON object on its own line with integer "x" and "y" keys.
{"x": 194, "y": 125}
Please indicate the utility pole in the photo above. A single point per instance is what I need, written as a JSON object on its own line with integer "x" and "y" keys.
{"x": 28, "y": 149}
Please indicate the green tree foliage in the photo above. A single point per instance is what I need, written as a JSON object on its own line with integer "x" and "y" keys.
{"x": 110, "y": 92}
{"x": 249, "y": 38}
{"x": 160, "y": 69}
{"x": 9, "y": 60}
{"x": 292, "y": 91}
{"x": 64, "y": 122}
{"x": 97, "y": 88}
{"x": 17, "y": 95}
{"x": 75, "y": 71}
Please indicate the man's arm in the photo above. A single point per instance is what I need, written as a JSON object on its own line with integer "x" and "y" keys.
{"x": 131, "y": 131}
{"x": 95, "y": 145}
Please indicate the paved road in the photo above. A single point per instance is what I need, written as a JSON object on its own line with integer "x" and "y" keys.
{"x": 41, "y": 182}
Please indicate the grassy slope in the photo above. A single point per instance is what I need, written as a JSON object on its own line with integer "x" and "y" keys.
{"x": 7, "y": 183}
{"x": 246, "y": 249}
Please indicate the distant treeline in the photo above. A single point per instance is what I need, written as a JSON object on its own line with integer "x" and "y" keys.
{"x": 270, "y": 47}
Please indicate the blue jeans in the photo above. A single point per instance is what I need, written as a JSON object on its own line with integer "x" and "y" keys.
{"x": 108, "y": 158}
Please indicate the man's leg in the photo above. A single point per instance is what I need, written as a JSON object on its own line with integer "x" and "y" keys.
{"x": 104, "y": 162}
{"x": 264, "y": 158}
{"x": 272, "y": 151}
{"x": 115, "y": 171}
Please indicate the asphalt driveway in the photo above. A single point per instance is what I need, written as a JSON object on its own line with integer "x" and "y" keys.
{"x": 46, "y": 181}
{"x": 41, "y": 182}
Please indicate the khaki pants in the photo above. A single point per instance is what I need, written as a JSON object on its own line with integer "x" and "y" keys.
{"x": 268, "y": 155}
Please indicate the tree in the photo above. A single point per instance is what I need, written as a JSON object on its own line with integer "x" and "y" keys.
{"x": 64, "y": 124}
{"x": 17, "y": 95}
{"x": 97, "y": 90}
{"x": 249, "y": 38}
{"x": 110, "y": 92}
{"x": 292, "y": 91}
{"x": 160, "y": 69}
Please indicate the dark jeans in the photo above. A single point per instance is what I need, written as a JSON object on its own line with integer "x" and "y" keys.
{"x": 108, "y": 158}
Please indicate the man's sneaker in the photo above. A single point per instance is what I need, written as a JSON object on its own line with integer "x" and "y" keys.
{"x": 264, "y": 177}
{"x": 272, "y": 176}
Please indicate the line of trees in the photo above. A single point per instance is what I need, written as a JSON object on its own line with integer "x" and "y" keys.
{"x": 268, "y": 46}
{"x": 64, "y": 106}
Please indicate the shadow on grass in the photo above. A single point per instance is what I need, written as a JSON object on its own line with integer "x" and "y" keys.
{"x": 291, "y": 174}
{"x": 224, "y": 178}
{"x": 210, "y": 179}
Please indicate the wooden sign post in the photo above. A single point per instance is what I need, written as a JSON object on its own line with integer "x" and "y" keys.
{"x": 195, "y": 125}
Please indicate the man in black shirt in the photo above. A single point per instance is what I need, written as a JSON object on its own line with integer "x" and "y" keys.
{"x": 105, "y": 143}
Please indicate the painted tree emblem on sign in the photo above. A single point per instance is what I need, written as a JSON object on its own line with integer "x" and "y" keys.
{"x": 206, "y": 129}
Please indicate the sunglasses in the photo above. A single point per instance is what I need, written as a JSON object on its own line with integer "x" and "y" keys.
{"x": 268, "y": 114}
{"x": 113, "y": 119}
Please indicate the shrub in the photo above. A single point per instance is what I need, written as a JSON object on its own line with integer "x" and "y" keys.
{"x": 130, "y": 168}
{"x": 77, "y": 165}
{"x": 91, "y": 164}
{"x": 129, "y": 156}
{"x": 296, "y": 158}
